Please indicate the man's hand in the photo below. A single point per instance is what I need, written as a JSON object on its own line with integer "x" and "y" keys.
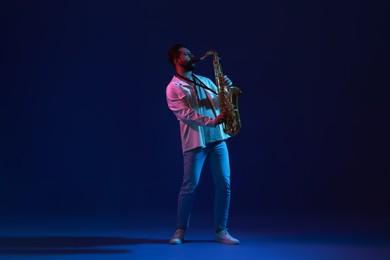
{"x": 228, "y": 82}
{"x": 220, "y": 118}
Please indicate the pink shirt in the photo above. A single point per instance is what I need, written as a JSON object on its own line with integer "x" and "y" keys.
{"x": 183, "y": 102}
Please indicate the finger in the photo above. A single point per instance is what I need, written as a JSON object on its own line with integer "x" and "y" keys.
{"x": 227, "y": 80}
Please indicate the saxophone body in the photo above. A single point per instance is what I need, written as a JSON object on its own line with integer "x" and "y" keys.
{"x": 227, "y": 97}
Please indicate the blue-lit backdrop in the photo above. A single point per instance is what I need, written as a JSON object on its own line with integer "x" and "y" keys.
{"x": 85, "y": 130}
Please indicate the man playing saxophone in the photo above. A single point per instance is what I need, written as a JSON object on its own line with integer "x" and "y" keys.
{"x": 194, "y": 101}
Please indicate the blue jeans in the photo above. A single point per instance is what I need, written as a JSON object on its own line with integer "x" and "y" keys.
{"x": 218, "y": 157}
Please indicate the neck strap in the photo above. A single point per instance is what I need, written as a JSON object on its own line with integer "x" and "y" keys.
{"x": 200, "y": 84}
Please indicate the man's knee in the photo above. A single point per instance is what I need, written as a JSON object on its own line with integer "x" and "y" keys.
{"x": 189, "y": 187}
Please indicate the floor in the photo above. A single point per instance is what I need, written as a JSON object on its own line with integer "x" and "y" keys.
{"x": 264, "y": 238}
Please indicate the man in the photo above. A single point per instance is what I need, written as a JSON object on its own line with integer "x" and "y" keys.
{"x": 194, "y": 101}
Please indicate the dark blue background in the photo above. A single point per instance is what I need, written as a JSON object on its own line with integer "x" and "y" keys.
{"x": 85, "y": 129}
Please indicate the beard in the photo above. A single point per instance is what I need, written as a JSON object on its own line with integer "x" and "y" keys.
{"x": 191, "y": 67}
{"x": 188, "y": 66}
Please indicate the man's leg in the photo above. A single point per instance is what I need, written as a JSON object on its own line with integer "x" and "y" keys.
{"x": 193, "y": 163}
{"x": 220, "y": 168}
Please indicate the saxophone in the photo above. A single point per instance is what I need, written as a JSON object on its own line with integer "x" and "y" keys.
{"x": 227, "y": 97}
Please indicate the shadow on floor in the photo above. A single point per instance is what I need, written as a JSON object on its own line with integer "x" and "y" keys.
{"x": 64, "y": 245}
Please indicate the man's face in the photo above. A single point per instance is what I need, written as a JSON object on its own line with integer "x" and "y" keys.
{"x": 185, "y": 59}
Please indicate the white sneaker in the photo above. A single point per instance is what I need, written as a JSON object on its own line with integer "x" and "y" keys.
{"x": 224, "y": 237}
{"x": 178, "y": 237}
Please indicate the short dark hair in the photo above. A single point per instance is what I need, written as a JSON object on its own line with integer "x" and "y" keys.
{"x": 174, "y": 52}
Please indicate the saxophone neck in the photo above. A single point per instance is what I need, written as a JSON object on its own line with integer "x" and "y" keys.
{"x": 208, "y": 53}
{"x": 219, "y": 78}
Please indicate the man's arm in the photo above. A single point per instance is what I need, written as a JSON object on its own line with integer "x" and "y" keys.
{"x": 179, "y": 106}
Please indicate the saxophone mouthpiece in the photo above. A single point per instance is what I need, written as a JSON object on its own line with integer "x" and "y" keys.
{"x": 195, "y": 60}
